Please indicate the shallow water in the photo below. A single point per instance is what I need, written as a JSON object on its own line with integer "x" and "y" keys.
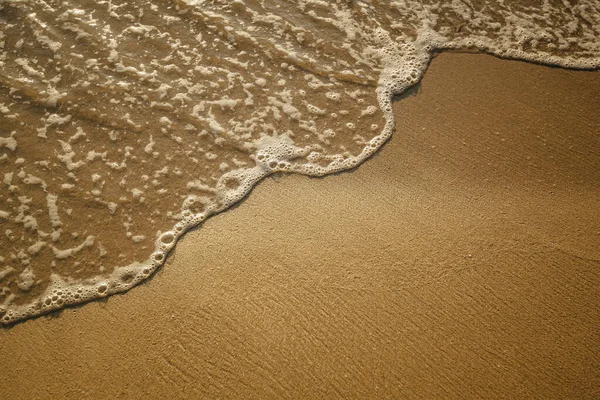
{"x": 124, "y": 124}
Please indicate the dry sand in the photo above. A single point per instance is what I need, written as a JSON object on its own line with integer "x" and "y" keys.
{"x": 462, "y": 261}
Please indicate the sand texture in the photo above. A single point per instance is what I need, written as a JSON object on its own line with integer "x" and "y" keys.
{"x": 461, "y": 261}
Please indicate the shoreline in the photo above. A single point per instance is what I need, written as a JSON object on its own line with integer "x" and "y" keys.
{"x": 105, "y": 286}
{"x": 406, "y": 271}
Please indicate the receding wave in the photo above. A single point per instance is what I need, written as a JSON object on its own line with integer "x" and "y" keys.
{"x": 126, "y": 123}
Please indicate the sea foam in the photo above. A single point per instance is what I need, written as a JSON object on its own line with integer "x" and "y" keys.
{"x": 123, "y": 124}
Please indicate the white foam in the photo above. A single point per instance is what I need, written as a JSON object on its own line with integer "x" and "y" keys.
{"x": 274, "y": 80}
{"x": 66, "y": 253}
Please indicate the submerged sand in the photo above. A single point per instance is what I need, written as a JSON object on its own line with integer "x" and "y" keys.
{"x": 462, "y": 261}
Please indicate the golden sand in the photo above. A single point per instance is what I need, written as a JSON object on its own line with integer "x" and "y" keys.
{"x": 461, "y": 261}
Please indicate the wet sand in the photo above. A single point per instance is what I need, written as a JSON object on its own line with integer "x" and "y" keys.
{"x": 461, "y": 261}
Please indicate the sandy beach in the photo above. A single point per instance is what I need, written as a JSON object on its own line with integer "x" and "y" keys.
{"x": 461, "y": 261}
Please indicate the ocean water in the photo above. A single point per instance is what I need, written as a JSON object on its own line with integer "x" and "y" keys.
{"x": 123, "y": 124}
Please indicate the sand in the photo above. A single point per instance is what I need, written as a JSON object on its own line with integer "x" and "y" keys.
{"x": 461, "y": 261}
